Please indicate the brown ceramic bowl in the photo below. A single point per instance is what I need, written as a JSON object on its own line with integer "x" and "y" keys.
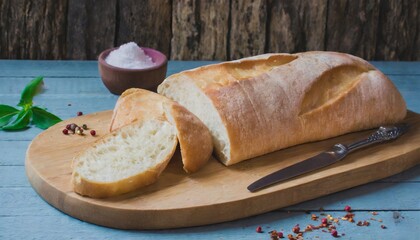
{"x": 117, "y": 80}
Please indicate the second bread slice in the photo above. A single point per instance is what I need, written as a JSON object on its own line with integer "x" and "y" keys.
{"x": 126, "y": 159}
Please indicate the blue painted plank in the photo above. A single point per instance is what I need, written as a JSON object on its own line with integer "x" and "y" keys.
{"x": 65, "y": 86}
{"x": 13, "y": 176}
{"x": 398, "y": 223}
{"x": 31, "y": 68}
{"x": 13, "y": 153}
{"x": 398, "y": 68}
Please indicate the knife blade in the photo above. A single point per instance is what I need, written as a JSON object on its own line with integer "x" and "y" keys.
{"x": 331, "y": 156}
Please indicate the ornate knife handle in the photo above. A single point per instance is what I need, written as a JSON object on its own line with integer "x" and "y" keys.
{"x": 383, "y": 134}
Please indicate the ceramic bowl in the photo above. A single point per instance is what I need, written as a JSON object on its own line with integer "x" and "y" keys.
{"x": 117, "y": 79}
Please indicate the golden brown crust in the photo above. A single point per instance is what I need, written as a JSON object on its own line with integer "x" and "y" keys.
{"x": 194, "y": 137}
{"x": 93, "y": 189}
{"x": 267, "y": 103}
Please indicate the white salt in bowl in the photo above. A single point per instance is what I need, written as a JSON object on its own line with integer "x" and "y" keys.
{"x": 117, "y": 79}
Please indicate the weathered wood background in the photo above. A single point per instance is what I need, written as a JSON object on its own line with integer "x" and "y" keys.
{"x": 210, "y": 30}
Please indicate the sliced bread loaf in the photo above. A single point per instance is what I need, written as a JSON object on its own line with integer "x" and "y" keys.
{"x": 261, "y": 104}
{"x": 126, "y": 159}
{"x": 194, "y": 137}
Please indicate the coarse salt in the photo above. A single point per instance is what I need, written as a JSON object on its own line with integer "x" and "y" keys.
{"x": 129, "y": 56}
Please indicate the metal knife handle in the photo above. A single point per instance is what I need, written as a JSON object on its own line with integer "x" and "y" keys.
{"x": 383, "y": 134}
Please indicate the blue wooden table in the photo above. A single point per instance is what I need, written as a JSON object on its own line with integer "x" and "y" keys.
{"x": 73, "y": 86}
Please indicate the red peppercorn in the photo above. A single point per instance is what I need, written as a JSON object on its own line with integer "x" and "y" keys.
{"x": 259, "y": 229}
{"x": 68, "y": 126}
{"x": 324, "y": 221}
{"x": 280, "y": 234}
{"x": 347, "y": 208}
{"x": 79, "y": 113}
{"x": 296, "y": 229}
{"x": 73, "y": 127}
{"x": 65, "y": 131}
{"x": 334, "y": 233}
{"x": 92, "y": 132}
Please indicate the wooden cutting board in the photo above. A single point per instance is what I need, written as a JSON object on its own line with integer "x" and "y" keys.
{"x": 214, "y": 194}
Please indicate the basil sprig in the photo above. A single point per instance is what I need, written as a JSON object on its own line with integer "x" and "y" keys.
{"x": 16, "y": 119}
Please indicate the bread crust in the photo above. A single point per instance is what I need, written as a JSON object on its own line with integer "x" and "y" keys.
{"x": 289, "y": 99}
{"x": 95, "y": 189}
{"x": 194, "y": 137}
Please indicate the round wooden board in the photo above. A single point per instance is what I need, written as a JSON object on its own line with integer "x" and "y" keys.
{"x": 214, "y": 194}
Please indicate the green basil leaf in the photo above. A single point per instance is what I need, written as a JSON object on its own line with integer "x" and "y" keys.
{"x": 43, "y": 119}
{"x": 19, "y": 121}
{"x": 5, "y": 119}
{"x": 30, "y": 91}
{"x": 6, "y": 110}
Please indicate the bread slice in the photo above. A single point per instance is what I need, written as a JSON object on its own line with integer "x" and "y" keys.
{"x": 261, "y": 104}
{"x": 126, "y": 159}
{"x": 194, "y": 137}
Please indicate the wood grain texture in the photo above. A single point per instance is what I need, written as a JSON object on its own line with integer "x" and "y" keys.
{"x": 90, "y": 28}
{"x": 296, "y": 26}
{"x": 352, "y": 27}
{"x": 147, "y": 23}
{"x": 33, "y": 29}
{"x": 247, "y": 35}
{"x": 210, "y": 30}
{"x": 214, "y": 194}
{"x": 199, "y": 29}
{"x": 399, "y": 25}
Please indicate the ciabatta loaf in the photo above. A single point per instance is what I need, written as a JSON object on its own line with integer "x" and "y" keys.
{"x": 126, "y": 159}
{"x": 260, "y": 104}
{"x": 194, "y": 137}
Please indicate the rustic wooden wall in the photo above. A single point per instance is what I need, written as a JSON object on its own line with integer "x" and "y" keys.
{"x": 207, "y": 30}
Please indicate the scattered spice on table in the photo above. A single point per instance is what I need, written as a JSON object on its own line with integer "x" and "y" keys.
{"x": 76, "y": 129}
{"x": 334, "y": 233}
{"x": 347, "y": 208}
{"x": 327, "y": 224}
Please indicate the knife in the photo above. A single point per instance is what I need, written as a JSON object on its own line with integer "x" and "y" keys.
{"x": 335, "y": 154}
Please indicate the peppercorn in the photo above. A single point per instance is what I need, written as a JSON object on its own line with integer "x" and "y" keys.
{"x": 274, "y": 235}
{"x": 324, "y": 221}
{"x": 79, "y": 113}
{"x": 92, "y": 132}
{"x": 68, "y": 126}
{"x": 65, "y": 131}
{"x": 296, "y": 229}
{"x": 347, "y": 208}
{"x": 259, "y": 229}
{"x": 334, "y": 233}
{"x": 84, "y": 126}
{"x": 79, "y": 130}
{"x": 280, "y": 234}
{"x": 73, "y": 127}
